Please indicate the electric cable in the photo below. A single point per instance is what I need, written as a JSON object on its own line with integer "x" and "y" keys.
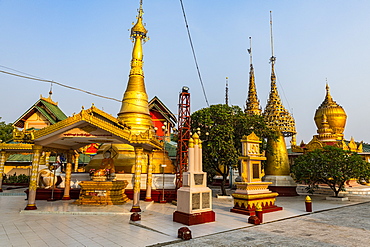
{"x": 194, "y": 56}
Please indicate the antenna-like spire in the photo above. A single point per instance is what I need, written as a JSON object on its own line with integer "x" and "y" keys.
{"x": 227, "y": 91}
{"x": 51, "y": 90}
{"x": 272, "y": 59}
{"x": 140, "y": 10}
{"x": 250, "y": 50}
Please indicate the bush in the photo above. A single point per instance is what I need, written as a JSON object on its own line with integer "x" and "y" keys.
{"x": 16, "y": 179}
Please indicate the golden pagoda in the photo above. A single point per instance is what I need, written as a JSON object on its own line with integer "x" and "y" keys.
{"x": 278, "y": 119}
{"x": 330, "y": 119}
{"x": 252, "y": 103}
{"x": 134, "y": 111}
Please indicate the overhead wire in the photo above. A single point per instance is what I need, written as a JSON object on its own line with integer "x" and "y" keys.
{"x": 193, "y": 51}
{"x": 58, "y": 83}
{"x": 36, "y": 78}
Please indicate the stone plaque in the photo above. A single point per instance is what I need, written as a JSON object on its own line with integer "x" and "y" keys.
{"x": 205, "y": 200}
{"x": 198, "y": 179}
{"x": 195, "y": 201}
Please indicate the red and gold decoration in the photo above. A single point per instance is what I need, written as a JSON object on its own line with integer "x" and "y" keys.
{"x": 252, "y": 191}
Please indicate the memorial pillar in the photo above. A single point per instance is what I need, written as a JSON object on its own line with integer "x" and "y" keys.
{"x": 148, "y": 197}
{"x": 33, "y": 181}
{"x": 137, "y": 179}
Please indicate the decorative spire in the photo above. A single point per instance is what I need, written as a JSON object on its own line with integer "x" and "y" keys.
{"x": 134, "y": 110}
{"x": 227, "y": 91}
{"x": 328, "y": 101}
{"x": 275, "y": 114}
{"x": 252, "y": 104}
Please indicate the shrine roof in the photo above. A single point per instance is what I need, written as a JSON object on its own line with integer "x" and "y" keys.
{"x": 50, "y": 111}
{"x": 158, "y": 105}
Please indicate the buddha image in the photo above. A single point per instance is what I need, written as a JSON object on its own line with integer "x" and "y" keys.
{"x": 107, "y": 165}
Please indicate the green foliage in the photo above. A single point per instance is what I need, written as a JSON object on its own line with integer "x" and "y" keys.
{"x": 225, "y": 125}
{"x": 6, "y": 131}
{"x": 330, "y": 165}
{"x": 14, "y": 179}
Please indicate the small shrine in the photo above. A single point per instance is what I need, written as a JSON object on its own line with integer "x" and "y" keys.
{"x": 252, "y": 191}
{"x": 194, "y": 198}
{"x": 103, "y": 189}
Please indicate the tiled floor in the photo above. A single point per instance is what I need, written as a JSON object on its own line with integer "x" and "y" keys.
{"x": 61, "y": 223}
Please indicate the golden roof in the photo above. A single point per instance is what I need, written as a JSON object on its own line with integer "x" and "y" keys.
{"x": 330, "y": 115}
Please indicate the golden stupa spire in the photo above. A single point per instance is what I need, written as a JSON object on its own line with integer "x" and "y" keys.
{"x": 275, "y": 114}
{"x": 134, "y": 111}
{"x": 279, "y": 120}
{"x": 252, "y": 104}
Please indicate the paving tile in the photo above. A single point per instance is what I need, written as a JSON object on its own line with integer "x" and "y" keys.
{"x": 81, "y": 226}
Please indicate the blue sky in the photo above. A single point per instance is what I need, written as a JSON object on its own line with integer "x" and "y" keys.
{"x": 86, "y": 44}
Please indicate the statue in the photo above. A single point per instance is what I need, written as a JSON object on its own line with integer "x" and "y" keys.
{"x": 106, "y": 168}
{"x": 47, "y": 178}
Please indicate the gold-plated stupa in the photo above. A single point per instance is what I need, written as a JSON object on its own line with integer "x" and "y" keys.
{"x": 252, "y": 103}
{"x": 134, "y": 111}
{"x": 282, "y": 122}
{"x": 330, "y": 119}
{"x": 278, "y": 119}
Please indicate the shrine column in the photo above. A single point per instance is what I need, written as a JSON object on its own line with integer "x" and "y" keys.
{"x": 33, "y": 181}
{"x": 76, "y": 156}
{"x": 137, "y": 179}
{"x": 67, "y": 186}
{"x": 148, "y": 197}
{"x": 3, "y": 157}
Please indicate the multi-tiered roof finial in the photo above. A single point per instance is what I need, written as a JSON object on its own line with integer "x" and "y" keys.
{"x": 134, "y": 111}
{"x": 252, "y": 104}
{"x": 275, "y": 114}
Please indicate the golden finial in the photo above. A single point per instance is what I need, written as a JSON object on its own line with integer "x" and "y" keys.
{"x": 252, "y": 104}
{"x": 138, "y": 30}
{"x": 191, "y": 143}
{"x": 308, "y": 199}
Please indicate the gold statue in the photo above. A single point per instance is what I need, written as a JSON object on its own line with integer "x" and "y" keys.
{"x": 107, "y": 167}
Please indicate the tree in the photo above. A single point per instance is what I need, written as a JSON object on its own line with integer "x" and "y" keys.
{"x": 6, "y": 131}
{"x": 225, "y": 125}
{"x": 332, "y": 166}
